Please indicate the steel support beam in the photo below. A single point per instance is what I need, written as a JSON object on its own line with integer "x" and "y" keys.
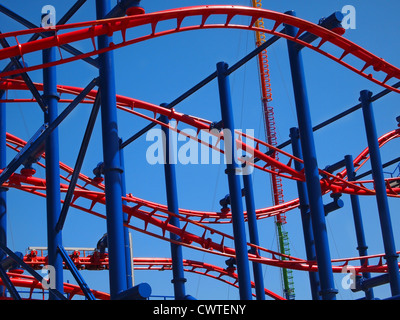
{"x": 8, "y": 284}
{"x": 308, "y": 233}
{"x": 235, "y": 192}
{"x": 53, "y": 194}
{"x": 173, "y": 206}
{"x": 112, "y": 164}
{"x": 381, "y": 195}
{"x": 253, "y": 233}
{"x": 328, "y": 290}
{"x": 28, "y": 268}
{"x": 358, "y": 224}
{"x": 70, "y": 49}
{"x": 34, "y": 145}
{"x": 78, "y": 163}
{"x": 71, "y": 266}
{"x": 127, "y": 245}
{"x": 333, "y": 21}
{"x": 3, "y": 191}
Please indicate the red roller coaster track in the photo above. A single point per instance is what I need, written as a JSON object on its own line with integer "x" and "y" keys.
{"x": 195, "y": 232}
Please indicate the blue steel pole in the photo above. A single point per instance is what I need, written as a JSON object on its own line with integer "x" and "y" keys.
{"x": 328, "y": 290}
{"x": 235, "y": 192}
{"x": 305, "y": 215}
{"x": 128, "y": 255}
{"x": 358, "y": 223}
{"x": 53, "y": 196}
{"x": 381, "y": 195}
{"x": 112, "y": 165}
{"x": 253, "y": 234}
{"x": 3, "y": 191}
{"x": 172, "y": 200}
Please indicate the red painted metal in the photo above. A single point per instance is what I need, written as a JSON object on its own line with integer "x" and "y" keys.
{"x": 90, "y": 30}
{"x": 25, "y": 281}
{"x": 153, "y": 214}
{"x": 156, "y": 214}
{"x": 99, "y": 261}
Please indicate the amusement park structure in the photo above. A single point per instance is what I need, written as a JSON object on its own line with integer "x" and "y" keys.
{"x": 33, "y": 62}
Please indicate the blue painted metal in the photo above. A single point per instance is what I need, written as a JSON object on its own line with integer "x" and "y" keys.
{"x": 53, "y": 195}
{"x": 336, "y": 166}
{"x": 75, "y": 7}
{"x": 31, "y": 25}
{"x": 253, "y": 234}
{"x": 78, "y": 164}
{"x": 173, "y": 206}
{"x": 102, "y": 244}
{"x": 333, "y": 21}
{"x": 336, "y": 204}
{"x": 358, "y": 223}
{"x": 381, "y": 196}
{"x": 329, "y": 23}
{"x": 235, "y": 192}
{"x": 71, "y": 266}
{"x": 305, "y": 215}
{"x": 18, "y": 259}
{"x": 128, "y": 255}
{"x": 367, "y": 284}
{"x": 33, "y": 147}
{"x": 6, "y": 264}
{"x": 328, "y": 290}
{"x": 8, "y": 284}
{"x": 120, "y": 8}
{"x": 9, "y": 262}
{"x": 3, "y": 191}
{"x": 29, "y": 83}
{"x": 142, "y": 291}
{"x": 112, "y": 163}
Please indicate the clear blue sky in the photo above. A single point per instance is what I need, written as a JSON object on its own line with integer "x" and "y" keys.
{"x": 160, "y": 70}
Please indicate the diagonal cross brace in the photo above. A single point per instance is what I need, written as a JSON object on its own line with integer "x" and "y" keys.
{"x": 9, "y": 285}
{"x": 42, "y": 135}
{"x": 71, "y": 266}
{"x": 79, "y": 161}
{"x": 28, "y": 268}
{"x": 4, "y": 43}
{"x": 70, "y": 49}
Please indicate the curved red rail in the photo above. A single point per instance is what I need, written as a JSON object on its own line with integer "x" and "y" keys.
{"x": 330, "y": 183}
{"x": 99, "y": 261}
{"x": 158, "y": 215}
{"x": 188, "y": 239}
{"x": 25, "y": 281}
{"x": 90, "y": 30}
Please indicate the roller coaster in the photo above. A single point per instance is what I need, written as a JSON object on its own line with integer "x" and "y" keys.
{"x": 103, "y": 194}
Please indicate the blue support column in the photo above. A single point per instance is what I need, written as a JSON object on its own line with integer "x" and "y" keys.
{"x": 53, "y": 196}
{"x": 172, "y": 200}
{"x": 128, "y": 255}
{"x": 381, "y": 195}
{"x": 358, "y": 223}
{"x": 78, "y": 277}
{"x": 3, "y": 191}
{"x": 253, "y": 234}
{"x": 305, "y": 215}
{"x": 328, "y": 290}
{"x": 112, "y": 166}
{"x": 235, "y": 191}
